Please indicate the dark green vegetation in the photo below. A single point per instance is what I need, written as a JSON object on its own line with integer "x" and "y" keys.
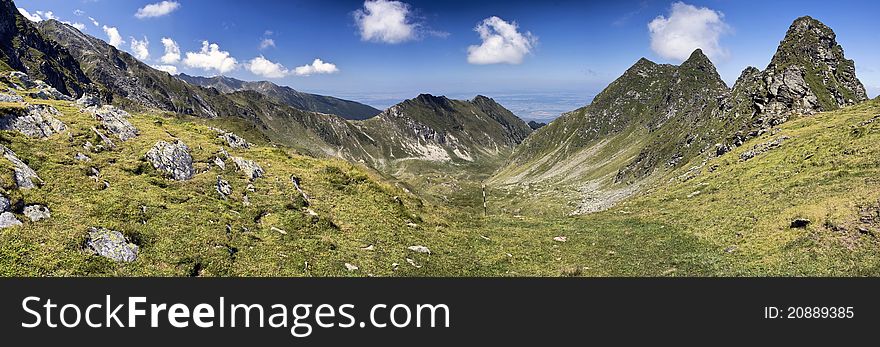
{"x": 667, "y": 173}
{"x": 288, "y": 96}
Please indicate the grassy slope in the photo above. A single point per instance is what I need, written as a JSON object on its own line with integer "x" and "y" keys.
{"x": 184, "y": 232}
{"x": 738, "y": 223}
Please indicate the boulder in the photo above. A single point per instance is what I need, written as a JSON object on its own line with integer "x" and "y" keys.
{"x": 173, "y": 159}
{"x": 89, "y": 101}
{"x": 106, "y": 141}
{"x": 36, "y": 121}
{"x": 111, "y": 244}
{"x": 250, "y": 169}
{"x": 8, "y": 220}
{"x": 419, "y": 249}
{"x": 220, "y": 163}
{"x": 800, "y": 223}
{"x": 22, "y": 173}
{"x": 37, "y": 212}
{"x": 47, "y": 92}
{"x": 115, "y": 121}
{"x": 232, "y": 139}
{"x": 81, "y": 157}
{"x": 223, "y": 187}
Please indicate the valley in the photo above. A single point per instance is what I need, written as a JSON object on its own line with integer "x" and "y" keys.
{"x": 113, "y": 168}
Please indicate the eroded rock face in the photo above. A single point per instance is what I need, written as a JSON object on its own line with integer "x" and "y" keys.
{"x": 111, "y": 244}
{"x": 47, "y": 92}
{"x": 223, "y": 187}
{"x": 88, "y": 100}
{"x": 115, "y": 121}
{"x": 4, "y": 97}
{"x": 22, "y": 173}
{"x": 173, "y": 159}
{"x": 34, "y": 121}
{"x": 250, "y": 169}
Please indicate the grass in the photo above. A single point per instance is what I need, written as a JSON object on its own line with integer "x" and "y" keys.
{"x": 736, "y": 225}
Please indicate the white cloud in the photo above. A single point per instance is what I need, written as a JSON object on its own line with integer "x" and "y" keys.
{"x": 210, "y": 58}
{"x": 316, "y": 67}
{"x": 172, "y": 51}
{"x": 158, "y": 9}
{"x": 140, "y": 48}
{"x": 79, "y": 26}
{"x": 167, "y": 68}
{"x": 686, "y": 29}
{"x": 113, "y": 37}
{"x": 79, "y": 12}
{"x": 261, "y": 66}
{"x": 266, "y": 43}
{"x": 31, "y": 17}
{"x": 502, "y": 43}
{"x": 94, "y": 21}
{"x": 385, "y": 21}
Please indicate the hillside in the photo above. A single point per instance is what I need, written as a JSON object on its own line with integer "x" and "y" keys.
{"x": 304, "y": 101}
{"x": 656, "y": 118}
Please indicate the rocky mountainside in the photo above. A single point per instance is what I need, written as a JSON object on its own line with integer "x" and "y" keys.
{"x": 23, "y": 48}
{"x": 656, "y": 118}
{"x": 304, "y": 101}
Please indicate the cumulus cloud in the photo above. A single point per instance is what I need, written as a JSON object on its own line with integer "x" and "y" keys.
{"x": 261, "y": 66}
{"x": 158, "y": 9}
{"x": 167, "y": 68}
{"x": 385, "y": 21}
{"x": 140, "y": 48}
{"x": 113, "y": 37}
{"x": 39, "y": 16}
{"x": 687, "y": 28}
{"x": 172, "y": 51}
{"x": 316, "y": 67}
{"x": 502, "y": 43}
{"x": 31, "y": 17}
{"x": 266, "y": 43}
{"x": 210, "y": 57}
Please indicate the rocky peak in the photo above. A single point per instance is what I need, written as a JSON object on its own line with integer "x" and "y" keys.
{"x": 699, "y": 61}
{"x": 810, "y": 52}
{"x": 431, "y": 99}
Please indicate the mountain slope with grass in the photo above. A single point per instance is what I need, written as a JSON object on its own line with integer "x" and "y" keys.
{"x": 304, "y": 101}
{"x": 656, "y": 118}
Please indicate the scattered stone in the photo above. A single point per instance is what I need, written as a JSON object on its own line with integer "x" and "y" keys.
{"x": 800, "y": 223}
{"x": 413, "y": 263}
{"x": 866, "y": 231}
{"x": 394, "y": 266}
{"x": 250, "y": 169}
{"x": 763, "y": 147}
{"x": 234, "y": 140}
{"x": 88, "y": 100}
{"x": 730, "y": 249}
{"x": 8, "y": 220}
{"x": 368, "y": 248}
{"x": 691, "y": 195}
{"x": 612, "y": 253}
{"x": 251, "y": 188}
{"x": 10, "y": 98}
{"x": 350, "y": 267}
{"x": 220, "y": 163}
{"x": 412, "y": 225}
{"x": 36, "y": 121}
{"x": 223, "y": 187}
{"x": 104, "y": 139}
{"x": 37, "y": 212}
{"x": 24, "y": 176}
{"x": 111, "y": 244}
{"x": 280, "y": 231}
{"x": 115, "y": 121}
{"x": 560, "y": 239}
{"x": 296, "y": 184}
{"x": 5, "y": 204}
{"x": 81, "y": 157}
{"x": 484, "y": 237}
{"x": 245, "y": 200}
{"x": 172, "y": 159}
{"x": 419, "y": 249}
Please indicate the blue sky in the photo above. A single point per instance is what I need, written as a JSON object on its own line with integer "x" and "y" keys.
{"x": 539, "y": 58}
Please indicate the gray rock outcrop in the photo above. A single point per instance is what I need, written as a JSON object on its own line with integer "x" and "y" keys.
{"x": 115, "y": 121}
{"x": 111, "y": 244}
{"x": 223, "y": 187}
{"x": 250, "y": 169}
{"x": 8, "y": 220}
{"x": 22, "y": 173}
{"x": 173, "y": 159}
{"x": 4, "y": 97}
{"x": 37, "y": 212}
{"x": 36, "y": 121}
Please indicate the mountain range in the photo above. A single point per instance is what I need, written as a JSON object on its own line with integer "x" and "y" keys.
{"x": 661, "y": 174}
